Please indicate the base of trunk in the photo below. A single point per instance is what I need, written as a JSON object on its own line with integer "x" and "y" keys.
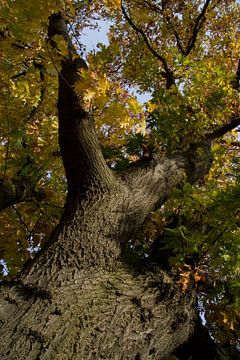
{"x": 96, "y": 314}
{"x": 201, "y": 346}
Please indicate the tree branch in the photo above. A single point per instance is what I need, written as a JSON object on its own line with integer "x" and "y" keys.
{"x": 150, "y": 6}
{"x": 151, "y": 183}
{"x": 37, "y": 107}
{"x": 179, "y": 43}
{"x": 236, "y": 80}
{"x": 167, "y": 74}
{"x": 197, "y": 27}
{"x": 57, "y": 26}
{"x": 238, "y": 75}
{"x": 21, "y": 220}
{"x": 17, "y": 190}
{"x": 22, "y": 186}
{"x": 222, "y": 130}
{"x": 83, "y": 161}
{"x": 11, "y": 192}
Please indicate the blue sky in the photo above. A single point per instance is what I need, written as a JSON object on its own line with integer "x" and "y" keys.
{"x": 90, "y": 39}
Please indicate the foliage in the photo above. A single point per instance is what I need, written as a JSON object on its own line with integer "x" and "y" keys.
{"x": 185, "y": 56}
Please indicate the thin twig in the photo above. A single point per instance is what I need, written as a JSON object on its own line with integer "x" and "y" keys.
{"x": 35, "y": 226}
{"x": 55, "y": 67}
{"x": 168, "y": 73}
{"x": 52, "y": 205}
{"x": 21, "y": 219}
{"x": 42, "y": 92}
{"x": 179, "y": 44}
{"x": 236, "y": 80}
{"x": 7, "y": 148}
{"x": 216, "y": 239}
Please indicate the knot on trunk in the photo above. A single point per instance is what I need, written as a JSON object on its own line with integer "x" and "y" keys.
{"x": 200, "y": 160}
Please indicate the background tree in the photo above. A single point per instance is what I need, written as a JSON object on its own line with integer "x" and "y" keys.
{"x": 119, "y": 276}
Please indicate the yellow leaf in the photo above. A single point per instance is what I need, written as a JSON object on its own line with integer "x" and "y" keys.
{"x": 89, "y": 95}
{"x": 113, "y": 4}
{"x": 151, "y": 107}
{"x": 125, "y": 122}
{"x": 103, "y": 84}
{"x": 134, "y": 105}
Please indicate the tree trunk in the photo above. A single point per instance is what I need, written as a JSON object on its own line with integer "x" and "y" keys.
{"x": 97, "y": 314}
{"x": 78, "y": 299}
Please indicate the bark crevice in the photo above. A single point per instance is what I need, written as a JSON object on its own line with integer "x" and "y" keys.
{"x": 98, "y": 314}
{"x": 77, "y": 300}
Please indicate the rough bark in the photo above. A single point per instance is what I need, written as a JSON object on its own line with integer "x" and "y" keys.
{"x": 77, "y": 299}
{"x": 96, "y": 314}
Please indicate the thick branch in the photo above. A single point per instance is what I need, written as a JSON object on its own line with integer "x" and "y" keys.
{"x": 82, "y": 157}
{"x": 58, "y": 26}
{"x": 222, "y": 130}
{"x": 151, "y": 183}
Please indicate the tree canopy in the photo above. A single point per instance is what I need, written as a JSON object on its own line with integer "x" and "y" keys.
{"x": 185, "y": 56}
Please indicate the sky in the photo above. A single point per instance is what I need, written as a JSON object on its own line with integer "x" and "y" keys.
{"x": 90, "y": 39}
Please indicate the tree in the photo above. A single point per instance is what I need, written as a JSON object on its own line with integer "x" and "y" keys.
{"x": 118, "y": 278}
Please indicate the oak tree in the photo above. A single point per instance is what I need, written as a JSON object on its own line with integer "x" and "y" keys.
{"x": 125, "y": 249}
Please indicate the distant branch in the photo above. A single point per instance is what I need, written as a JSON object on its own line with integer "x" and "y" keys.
{"x": 21, "y": 219}
{"x": 236, "y": 80}
{"x": 22, "y": 73}
{"x": 235, "y": 120}
{"x": 35, "y": 109}
{"x": 167, "y": 74}
{"x": 11, "y": 192}
{"x": 179, "y": 44}
{"x": 217, "y": 238}
{"x": 38, "y": 66}
{"x": 35, "y": 226}
{"x": 197, "y": 27}
{"x": 235, "y": 143}
{"x": 20, "y": 188}
{"x": 7, "y": 149}
{"x": 238, "y": 74}
{"x": 150, "y": 6}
